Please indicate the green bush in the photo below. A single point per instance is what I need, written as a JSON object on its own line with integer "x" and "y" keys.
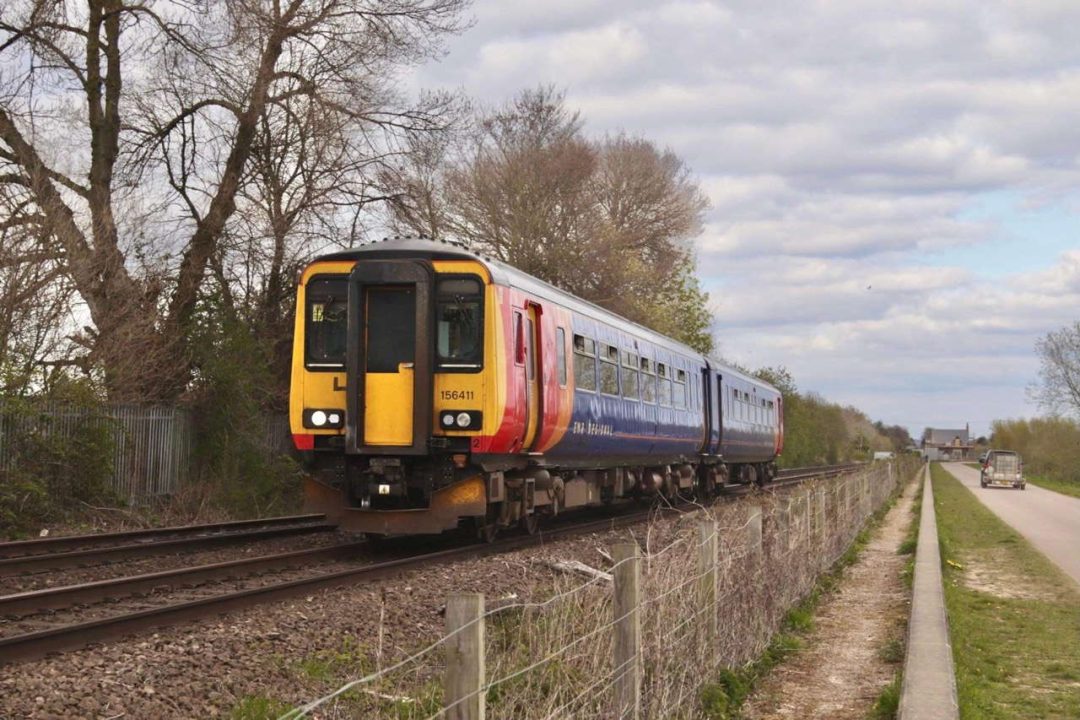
{"x": 232, "y": 396}
{"x": 1049, "y": 446}
{"x": 58, "y": 462}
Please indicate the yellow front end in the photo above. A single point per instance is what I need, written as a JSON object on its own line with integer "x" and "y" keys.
{"x": 386, "y": 411}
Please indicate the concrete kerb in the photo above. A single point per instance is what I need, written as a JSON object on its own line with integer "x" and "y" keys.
{"x": 929, "y": 690}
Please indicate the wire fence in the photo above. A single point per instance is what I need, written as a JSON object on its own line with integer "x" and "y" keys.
{"x": 150, "y": 446}
{"x": 709, "y": 593}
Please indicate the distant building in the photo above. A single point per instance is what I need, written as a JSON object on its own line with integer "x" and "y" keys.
{"x": 949, "y": 445}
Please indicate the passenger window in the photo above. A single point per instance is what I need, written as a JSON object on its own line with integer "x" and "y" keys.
{"x": 560, "y": 354}
{"x": 664, "y": 384}
{"x": 630, "y": 389}
{"x": 609, "y": 370}
{"x": 678, "y": 397}
{"x": 584, "y": 364}
{"x": 648, "y": 381}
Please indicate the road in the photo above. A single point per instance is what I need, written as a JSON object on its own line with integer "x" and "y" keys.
{"x": 1050, "y": 520}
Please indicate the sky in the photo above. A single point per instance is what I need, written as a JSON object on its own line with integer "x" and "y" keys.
{"x": 893, "y": 186}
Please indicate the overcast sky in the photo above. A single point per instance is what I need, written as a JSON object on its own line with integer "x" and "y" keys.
{"x": 893, "y": 185}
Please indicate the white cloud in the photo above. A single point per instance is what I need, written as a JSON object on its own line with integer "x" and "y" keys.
{"x": 843, "y": 146}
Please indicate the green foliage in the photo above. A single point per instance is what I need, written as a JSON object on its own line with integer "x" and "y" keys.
{"x": 57, "y": 464}
{"x": 1050, "y": 448}
{"x": 680, "y": 309}
{"x": 892, "y": 651}
{"x": 800, "y": 618}
{"x": 329, "y": 665}
{"x": 896, "y": 434}
{"x": 818, "y": 432}
{"x": 259, "y": 707}
{"x": 721, "y": 699}
{"x": 234, "y": 391}
{"x": 887, "y": 704}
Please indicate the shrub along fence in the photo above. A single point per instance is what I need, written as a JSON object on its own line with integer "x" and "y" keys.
{"x": 138, "y": 453}
{"x": 652, "y": 637}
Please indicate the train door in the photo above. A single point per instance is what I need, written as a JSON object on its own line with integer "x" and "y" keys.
{"x": 390, "y": 350}
{"x": 712, "y": 412}
{"x": 779, "y": 424}
{"x": 720, "y": 414}
{"x": 533, "y": 401}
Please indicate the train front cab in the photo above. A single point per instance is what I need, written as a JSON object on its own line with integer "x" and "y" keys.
{"x": 395, "y": 351}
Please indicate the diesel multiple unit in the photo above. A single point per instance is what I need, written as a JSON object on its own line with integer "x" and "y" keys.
{"x": 432, "y": 386}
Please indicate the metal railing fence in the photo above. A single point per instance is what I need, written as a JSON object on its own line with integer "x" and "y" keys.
{"x": 151, "y": 445}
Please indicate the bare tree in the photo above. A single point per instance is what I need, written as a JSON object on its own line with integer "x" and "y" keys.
{"x": 610, "y": 221}
{"x": 35, "y": 299}
{"x": 134, "y": 126}
{"x": 1058, "y": 388}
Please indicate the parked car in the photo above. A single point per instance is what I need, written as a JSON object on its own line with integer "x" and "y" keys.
{"x": 1002, "y": 468}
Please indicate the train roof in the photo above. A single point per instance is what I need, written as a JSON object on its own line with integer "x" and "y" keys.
{"x": 505, "y": 274}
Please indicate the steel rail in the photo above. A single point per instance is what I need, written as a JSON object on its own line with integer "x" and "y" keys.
{"x": 50, "y": 561}
{"x": 43, "y": 642}
{"x": 17, "y": 548}
{"x": 83, "y": 593}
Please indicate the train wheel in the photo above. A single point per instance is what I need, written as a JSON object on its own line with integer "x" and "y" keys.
{"x": 487, "y": 527}
{"x": 530, "y": 523}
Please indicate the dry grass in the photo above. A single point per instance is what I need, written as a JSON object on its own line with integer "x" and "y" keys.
{"x": 554, "y": 659}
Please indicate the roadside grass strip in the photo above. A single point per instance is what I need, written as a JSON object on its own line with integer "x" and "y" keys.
{"x": 1014, "y": 617}
{"x": 1065, "y": 487}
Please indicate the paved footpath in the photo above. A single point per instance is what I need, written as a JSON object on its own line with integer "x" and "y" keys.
{"x": 1050, "y": 520}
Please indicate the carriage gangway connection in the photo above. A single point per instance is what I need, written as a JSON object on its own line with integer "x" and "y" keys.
{"x": 70, "y": 636}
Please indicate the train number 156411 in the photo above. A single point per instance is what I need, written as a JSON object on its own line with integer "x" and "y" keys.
{"x": 457, "y": 395}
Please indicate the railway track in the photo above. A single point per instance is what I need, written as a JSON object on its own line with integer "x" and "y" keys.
{"x": 32, "y": 556}
{"x": 38, "y": 643}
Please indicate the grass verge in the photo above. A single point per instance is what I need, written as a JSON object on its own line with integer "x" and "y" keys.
{"x": 1013, "y": 617}
{"x": 723, "y": 698}
{"x": 1065, "y": 487}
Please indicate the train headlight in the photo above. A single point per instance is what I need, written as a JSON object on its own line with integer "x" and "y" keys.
{"x": 324, "y": 419}
{"x": 458, "y": 420}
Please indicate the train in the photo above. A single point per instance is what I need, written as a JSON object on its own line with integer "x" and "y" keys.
{"x": 434, "y": 388}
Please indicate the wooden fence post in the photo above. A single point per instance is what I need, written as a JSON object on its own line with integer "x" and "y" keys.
{"x": 463, "y": 684}
{"x": 823, "y": 526}
{"x": 782, "y": 521}
{"x": 707, "y": 558}
{"x": 627, "y": 572}
{"x": 754, "y": 546}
